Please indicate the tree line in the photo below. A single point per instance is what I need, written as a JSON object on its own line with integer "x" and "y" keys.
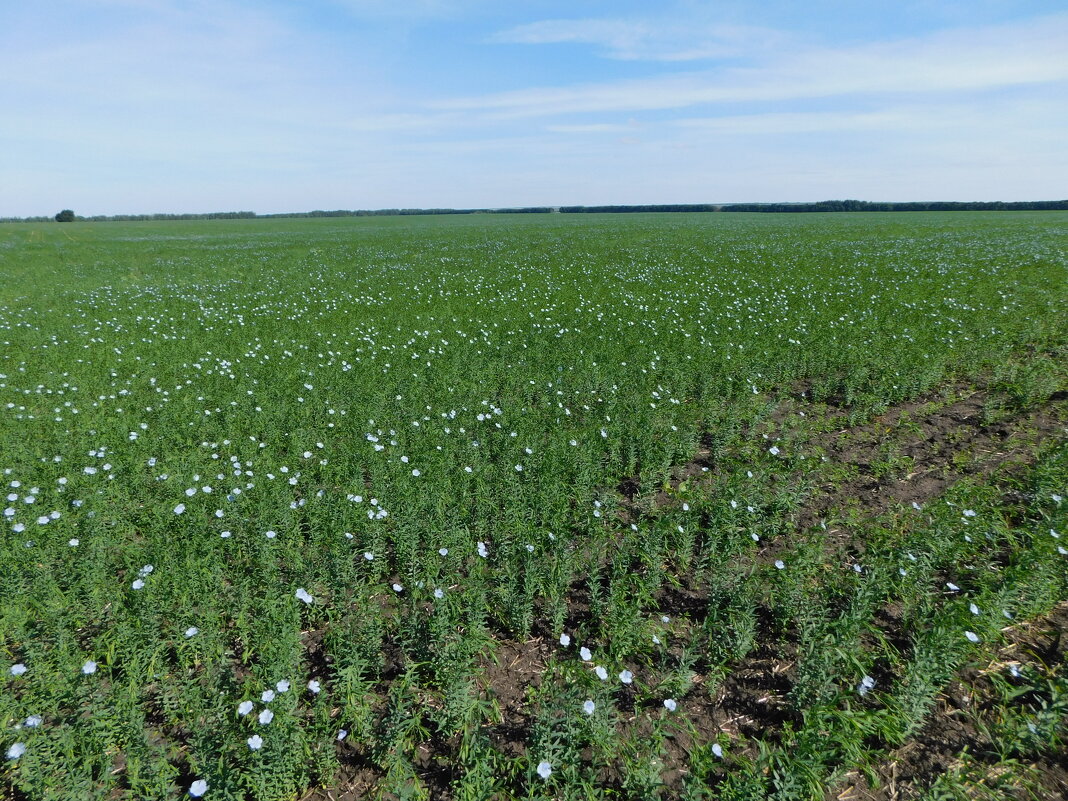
{"x": 866, "y": 205}
{"x": 776, "y": 208}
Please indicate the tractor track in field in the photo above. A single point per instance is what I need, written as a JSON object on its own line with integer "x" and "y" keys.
{"x": 948, "y": 445}
{"x": 944, "y": 440}
{"x": 751, "y": 700}
{"x": 937, "y": 441}
{"x": 931, "y": 435}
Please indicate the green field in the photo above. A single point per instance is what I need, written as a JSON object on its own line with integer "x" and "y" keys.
{"x": 792, "y": 483}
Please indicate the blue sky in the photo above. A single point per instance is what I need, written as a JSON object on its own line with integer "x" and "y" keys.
{"x": 115, "y": 106}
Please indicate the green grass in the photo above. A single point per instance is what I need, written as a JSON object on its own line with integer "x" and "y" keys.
{"x": 407, "y": 388}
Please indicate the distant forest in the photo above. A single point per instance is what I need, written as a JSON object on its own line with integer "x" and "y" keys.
{"x": 774, "y": 208}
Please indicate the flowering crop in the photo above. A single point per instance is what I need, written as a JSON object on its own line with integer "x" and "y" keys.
{"x": 454, "y": 477}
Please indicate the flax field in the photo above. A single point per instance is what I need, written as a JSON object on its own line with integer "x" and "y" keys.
{"x": 634, "y": 506}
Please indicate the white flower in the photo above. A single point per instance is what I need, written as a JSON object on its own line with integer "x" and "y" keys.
{"x": 545, "y": 770}
{"x": 244, "y": 708}
{"x": 443, "y": 551}
{"x": 198, "y": 788}
{"x": 16, "y": 750}
{"x": 302, "y": 595}
{"x": 773, "y": 450}
{"x": 951, "y": 586}
{"x": 626, "y": 676}
{"x": 565, "y": 640}
{"x": 282, "y": 686}
{"x": 973, "y": 609}
{"x": 73, "y": 542}
{"x": 314, "y": 686}
{"x": 866, "y": 684}
{"x": 602, "y": 674}
{"x": 482, "y": 550}
{"x": 270, "y": 534}
{"x": 89, "y": 668}
{"x": 398, "y": 587}
{"x": 266, "y": 716}
{"x": 439, "y": 593}
{"x": 192, "y": 631}
{"x": 779, "y": 564}
{"x": 717, "y": 749}
{"x": 33, "y": 721}
{"x": 255, "y": 742}
{"x": 584, "y": 654}
{"x": 138, "y": 584}
{"x": 267, "y": 696}
{"x": 341, "y": 735}
{"x": 17, "y": 669}
{"x": 969, "y": 513}
{"x": 589, "y": 707}
{"x": 179, "y": 508}
{"x": 972, "y": 636}
{"x": 670, "y": 705}
{"x": 370, "y": 557}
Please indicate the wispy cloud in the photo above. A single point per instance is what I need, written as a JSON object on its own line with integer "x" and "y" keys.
{"x": 1003, "y": 120}
{"x": 593, "y": 128}
{"x": 653, "y": 40}
{"x": 895, "y": 119}
{"x": 409, "y": 10}
{"x": 951, "y": 61}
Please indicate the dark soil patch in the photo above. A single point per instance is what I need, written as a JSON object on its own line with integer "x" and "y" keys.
{"x": 508, "y": 674}
{"x": 355, "y": 781}
{"x": 938, "y": 448}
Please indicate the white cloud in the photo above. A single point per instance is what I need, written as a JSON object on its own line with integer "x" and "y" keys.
{"x": 952, "y": 61}
{"x": 633, "y": 40}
